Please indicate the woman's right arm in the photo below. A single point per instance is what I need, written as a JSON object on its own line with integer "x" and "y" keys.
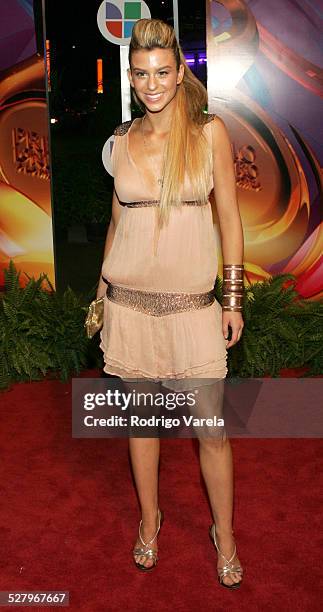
{"x": 116, "y": 212}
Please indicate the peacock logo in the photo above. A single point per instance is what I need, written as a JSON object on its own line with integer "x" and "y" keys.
{"x": 116, "y": 19}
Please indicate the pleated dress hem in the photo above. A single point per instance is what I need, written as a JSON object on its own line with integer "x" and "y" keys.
{"x": 123, "y": 370}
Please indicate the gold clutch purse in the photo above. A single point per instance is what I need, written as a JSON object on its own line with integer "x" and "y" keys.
{"x": 94, "y": 317}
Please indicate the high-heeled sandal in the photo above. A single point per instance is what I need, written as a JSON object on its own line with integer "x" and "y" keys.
{"x": 229, "y": 567}
{"x": 144, "y": 550}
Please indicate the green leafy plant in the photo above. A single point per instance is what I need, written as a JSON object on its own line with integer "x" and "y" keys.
{"x": 40, "y": 330}
{"x": 282, "y": 330}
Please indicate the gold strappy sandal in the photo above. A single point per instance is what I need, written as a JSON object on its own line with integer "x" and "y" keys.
{"x": 229, "y": 567}
{"x": 144, "y": 550}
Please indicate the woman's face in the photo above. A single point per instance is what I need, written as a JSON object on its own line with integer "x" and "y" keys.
{"x": 154, "y": 77}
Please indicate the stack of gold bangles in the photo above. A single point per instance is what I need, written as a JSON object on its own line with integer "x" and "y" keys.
{"x": 232, "y": 287}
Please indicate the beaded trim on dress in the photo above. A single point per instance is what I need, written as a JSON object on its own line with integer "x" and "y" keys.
{"x": 143, "y": 203}
{"x": 123, "y": 128}
{"x": 157, "y": 303}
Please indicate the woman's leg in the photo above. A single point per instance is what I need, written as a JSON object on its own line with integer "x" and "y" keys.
{"x": 144, "y": 453}
{"x": 217, "y": 469}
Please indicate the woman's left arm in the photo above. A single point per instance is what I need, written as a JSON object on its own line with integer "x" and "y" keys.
{"x": 229, "y": 216}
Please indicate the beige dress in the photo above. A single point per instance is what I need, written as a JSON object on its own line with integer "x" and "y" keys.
{"x": 175, "y": 346}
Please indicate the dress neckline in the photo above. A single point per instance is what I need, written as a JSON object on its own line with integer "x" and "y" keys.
{"x": 132, "y": 161}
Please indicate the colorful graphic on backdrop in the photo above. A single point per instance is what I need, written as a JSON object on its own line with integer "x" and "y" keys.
{"x": 266, "y": 82}
{"x": 116, "y": 19}
{"x": 25, "y": 197}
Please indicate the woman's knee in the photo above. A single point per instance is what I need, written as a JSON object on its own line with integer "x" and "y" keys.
{"x": 217, "y": 442}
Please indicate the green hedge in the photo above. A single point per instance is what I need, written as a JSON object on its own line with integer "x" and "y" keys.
{"x": 282, "y": 330}
{"x": 41, "y": 331}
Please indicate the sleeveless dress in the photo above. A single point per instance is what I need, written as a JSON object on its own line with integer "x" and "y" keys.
{"x": 179, "y": 345}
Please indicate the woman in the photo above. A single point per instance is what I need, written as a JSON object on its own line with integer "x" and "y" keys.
{"x": 161, "y": 319}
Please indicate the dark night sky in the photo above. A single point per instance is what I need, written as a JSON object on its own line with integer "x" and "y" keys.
{"x": 81, "y": 17}
{"x": 76, "y": 24}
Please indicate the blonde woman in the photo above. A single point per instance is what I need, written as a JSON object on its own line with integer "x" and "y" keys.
{"x": 161, "y": 318}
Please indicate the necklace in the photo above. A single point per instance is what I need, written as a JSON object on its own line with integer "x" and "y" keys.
{"x": 160, "y": 180}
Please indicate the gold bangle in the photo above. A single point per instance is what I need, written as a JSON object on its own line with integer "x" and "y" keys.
{"x": 233, "y": 288}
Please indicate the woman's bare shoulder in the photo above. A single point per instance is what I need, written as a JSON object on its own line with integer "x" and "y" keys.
{"x": 218, "y": 128}
{"x": 214, "y": 121}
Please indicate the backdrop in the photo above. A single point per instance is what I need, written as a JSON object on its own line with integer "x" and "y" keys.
{"x": 25, "y": 195}
{"x": 265, "y": 80}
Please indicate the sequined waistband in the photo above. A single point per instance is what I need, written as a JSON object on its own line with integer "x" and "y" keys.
{"x": 144, "y": 203}
{"x": 158, "y": 304}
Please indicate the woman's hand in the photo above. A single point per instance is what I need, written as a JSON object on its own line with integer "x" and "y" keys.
{"x": 235, "y": 320}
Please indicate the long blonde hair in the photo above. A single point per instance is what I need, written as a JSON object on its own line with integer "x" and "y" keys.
{"x": 186, "y": 149}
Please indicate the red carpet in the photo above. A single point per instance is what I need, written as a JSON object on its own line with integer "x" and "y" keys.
{"x": 69, "y": 517}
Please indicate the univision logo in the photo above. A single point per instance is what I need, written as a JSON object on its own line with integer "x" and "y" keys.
{"x": 116, "y": 19}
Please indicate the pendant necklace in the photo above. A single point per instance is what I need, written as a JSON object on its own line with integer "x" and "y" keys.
{"x": 160, "y": 180}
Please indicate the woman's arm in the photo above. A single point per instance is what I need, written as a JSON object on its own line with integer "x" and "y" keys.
{"x": 226, "y": 195}
{"x": 116, "y": 212}
{"x": 229, "y": 215}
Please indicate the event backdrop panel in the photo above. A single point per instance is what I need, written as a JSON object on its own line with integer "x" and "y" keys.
{"x": 25, "y": 194}
{"x": 265, "y": 80}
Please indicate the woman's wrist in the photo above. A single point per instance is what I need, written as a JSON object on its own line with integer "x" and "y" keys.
{"x": 233, "y": 288}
